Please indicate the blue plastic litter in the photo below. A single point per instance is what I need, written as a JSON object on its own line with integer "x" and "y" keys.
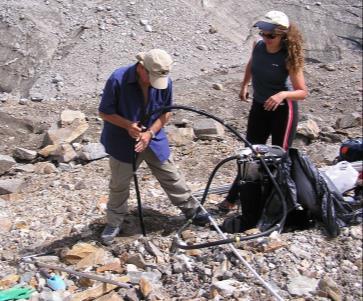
{"x": 56, "y": 283}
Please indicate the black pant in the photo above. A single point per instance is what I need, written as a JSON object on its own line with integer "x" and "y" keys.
{"x": 280, "y": 124}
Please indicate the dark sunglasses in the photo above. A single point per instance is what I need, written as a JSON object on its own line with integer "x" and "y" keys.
{"x": 269, "y": 36}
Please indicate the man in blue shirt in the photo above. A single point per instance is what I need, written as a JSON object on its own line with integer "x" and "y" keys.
{"x": 131, "y": 93}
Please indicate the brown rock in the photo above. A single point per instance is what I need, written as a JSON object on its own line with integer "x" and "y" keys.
{"x": 97, "y": 291}
{"x": 44, "y": 168}
{"x": 273, "y": 245}
{"x": 9, "y": 281}
{"x": 86, "y": 282}
{"x": 11, "y": 197}
{"x": 67, "y": 134}
{"x": 46, "y": 151}
{"x": 110, "y": 297}
{"x": 102, "y": 203}
{"x": 97, "y": 257}
{"x": 328, "y": 286}
{"x": 78, "y": 252}
{"x": 5, "y": 224}
{"x": 145, "y": 286}
{"x": 114, "y": 266}
{"x": 194, "y": 252}
{"x": 153, "y": 250}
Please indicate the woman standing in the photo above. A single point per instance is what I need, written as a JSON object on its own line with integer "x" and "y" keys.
{"x": 276, "y": 70}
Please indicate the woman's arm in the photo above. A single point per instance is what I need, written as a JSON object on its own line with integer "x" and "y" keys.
{"x": 299, "y": 92}
{"x": 243, "y": 95}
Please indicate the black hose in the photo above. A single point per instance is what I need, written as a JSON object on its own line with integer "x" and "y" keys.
{"x": 213, "y": 174}
{"x": 138, "y": 196}
{"x": 200, "y": 112}
{"x": 176, "y": 244}
{"x": 235, "y": 239}
{"x": 278, "y": 226}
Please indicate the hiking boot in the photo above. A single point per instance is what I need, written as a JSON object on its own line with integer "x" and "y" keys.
{"x": 109, "y": 233}
{"x": 200, "y": 219}
{"x": 225, "y": 206}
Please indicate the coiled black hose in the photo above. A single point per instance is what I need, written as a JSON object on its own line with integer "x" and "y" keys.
{"x": 278, "y": 226}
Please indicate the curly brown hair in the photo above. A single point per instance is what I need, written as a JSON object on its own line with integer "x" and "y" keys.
{"x": 294, "y": 45}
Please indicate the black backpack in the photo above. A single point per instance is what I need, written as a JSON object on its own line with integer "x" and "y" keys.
{"x": 351, "y": 150}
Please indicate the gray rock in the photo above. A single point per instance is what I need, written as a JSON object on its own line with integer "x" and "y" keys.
{"x": 92, "y": 151}
{"x": 37, "y": 97}
{"x": 309, "y": 129}
{"x": 6, "y": 162}
{"x": 153, "y": 250}
{"x": 178, "y": 268}
{"x": 24, "y": 154}
{"x": 302, "y": 285}
{"x": 225, "y": 287}
{"x": 64, "y": 153}
{"x": 138, "y": 260}
{"x": 23, "y": 101}
{"x": 52, "y": 296}
{"x": 135, "y": 276}
{"x": 11, "y": 186}
{"x": 323, "y": 154}
{"x": 300, "y": 252}
{"x": 202, "y": 47}
{"x": 328, "y": 67}
{"x": 179, "y": 136}
{"x": 28, "y": 168}
{"x": 207, "y": 128}
{"x": 148, "y": 28}
{"x": 349, "y": 121}
{"x": 217, "y": 86}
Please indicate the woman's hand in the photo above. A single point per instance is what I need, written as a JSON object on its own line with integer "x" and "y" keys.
{"x": 142, "y": 141}
{"x": 272, "y": 103}
{"x": 243, "y": 94}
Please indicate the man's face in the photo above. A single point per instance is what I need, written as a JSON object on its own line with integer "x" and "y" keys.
{"x": 143, "y": 74}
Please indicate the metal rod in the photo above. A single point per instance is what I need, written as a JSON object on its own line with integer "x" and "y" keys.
{"x": 79, "y": 274}
{"x": 247, "y": 265}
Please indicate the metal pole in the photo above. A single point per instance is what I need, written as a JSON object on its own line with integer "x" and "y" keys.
{"x": 79, "y": 274}
{"x": 246, "y": 264}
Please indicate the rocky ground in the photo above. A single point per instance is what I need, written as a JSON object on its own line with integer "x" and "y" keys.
{"x": 58, "y": 207}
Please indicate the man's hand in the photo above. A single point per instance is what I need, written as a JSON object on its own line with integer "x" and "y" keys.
{"x": 274, "y": 101}
{"x": 134, "y": 130}
{"x": 142, "y": 141}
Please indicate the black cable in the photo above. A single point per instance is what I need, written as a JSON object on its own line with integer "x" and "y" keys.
{"x": 248, "y": 144}
{"x": 176, "y": 244}
{"x": 213, "y": 174}
{"x": 235, "y": 239}
{"x": 138, "y": 196}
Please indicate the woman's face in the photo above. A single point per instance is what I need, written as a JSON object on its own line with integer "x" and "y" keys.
{"x": 270, "y": 38}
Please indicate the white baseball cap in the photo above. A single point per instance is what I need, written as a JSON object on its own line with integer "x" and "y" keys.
{"x": 272, "y": 20}
{"x": 158, "y": 64}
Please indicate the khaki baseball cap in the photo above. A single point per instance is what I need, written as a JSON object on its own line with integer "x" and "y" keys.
{"x": 272, "y": 20}
{"x": 158, "y": 64}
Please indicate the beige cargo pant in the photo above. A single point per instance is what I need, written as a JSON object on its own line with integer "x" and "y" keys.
{"x": 166, "y": 173}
